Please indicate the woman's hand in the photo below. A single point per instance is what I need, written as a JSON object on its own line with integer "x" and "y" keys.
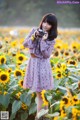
{"x": 36, "y": 33}
{"x": 45, "y": 36}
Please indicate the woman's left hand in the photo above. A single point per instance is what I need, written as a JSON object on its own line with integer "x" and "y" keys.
{"x": 45, "y": 36}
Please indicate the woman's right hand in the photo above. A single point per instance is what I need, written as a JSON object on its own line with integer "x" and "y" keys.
{"x": 36, "y": 33}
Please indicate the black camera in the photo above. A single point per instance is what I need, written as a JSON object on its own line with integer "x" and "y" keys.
{"x": 41, "y": 32}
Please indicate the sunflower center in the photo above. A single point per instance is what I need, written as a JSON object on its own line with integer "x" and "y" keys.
{"x": 59, "y": 74}
{"x": 66, "y": 53}
{"x": 3, "y": 77}
{"x": 65, "y": 100}
{"x": 21, "y": 58}
{"x": 75, "y": 99}
{"x": 58, "y": 47}
{"x": 18, "y": 73}
{"x": 74, "y": 47}
{"x": 56, "y": 53}
{"x": 73, "y": 62}
{"x": 2, "y": 60}
{"x": 21, "y": 82}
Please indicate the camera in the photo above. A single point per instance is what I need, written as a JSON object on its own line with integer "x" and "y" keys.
{"x": 41, "y": 32}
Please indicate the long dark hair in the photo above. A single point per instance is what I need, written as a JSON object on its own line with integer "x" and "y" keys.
{"x": 52, "y": 20}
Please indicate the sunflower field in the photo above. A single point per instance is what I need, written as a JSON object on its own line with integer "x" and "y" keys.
{"x": 64, "y": 100}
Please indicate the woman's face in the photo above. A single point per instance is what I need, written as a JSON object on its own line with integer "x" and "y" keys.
{"x": 46, "y": 26}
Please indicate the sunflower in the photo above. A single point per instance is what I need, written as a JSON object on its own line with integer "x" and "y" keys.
{"x": 65, "y": 46}
{"x": 21, "y": 57}
{"x": 19, "y": 62}
{"x": 61, "y": 105}
{"x": 58, "y": 70}
{"x": 63, "y": 66}
{"x": 21, "y": 47}
{"x": 18, "y": 95}
{"x": 4, "y": 77}
{"x": 67, "y": 101}
{"x": 59, "y": 75}
{"x": 66, "y": 53}
{"x": 24, "y": 106}
{"x": 75, "y": 45}
{"x": 75, "y": 100}
{"x": 56, "y": 53}
{"x": 2, "y": 59}
{"x": 5, "y": 92}
{"x": 55, "y": 118}
{"x": 20, "y": 83}
{"x": 58, "y": 65}
{"x": 73, "y": 62}
{"x": 14, "y": 43}
{"x": 18, "y": 72}
{"x": 63, "y": 113}
{"x": 74, "y": 111}
{"x": 44, "y": 97}
{"x": 9, "y": 70}
{"x": 58, "y": 46}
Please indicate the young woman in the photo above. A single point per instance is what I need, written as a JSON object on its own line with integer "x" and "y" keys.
{"x": 40, "y": 42}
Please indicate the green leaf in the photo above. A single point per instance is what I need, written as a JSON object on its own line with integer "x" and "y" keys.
{"x": 32, "y": 108}
{"x": 58, "y": 102}
{"x": 73, "y": 78}
{"x": 42, "y": 112}
{"x": 63, "y": 88}
{"x": 56, "y": 83}
{"x": 12, "y": 83}
{"x": 5, "y": 99}
{"x": 12, "y": 87}
{"x": 24, "y": 116}
{"x": 16, "y": 106}
{"x": 49, "y": 98}
{"x": 75, "y": 85}
{"x": 26, "y": 98}
{"x": 53, "y": 115}
{"x": 12, "y": 116}
{"x": 55, "y": 60}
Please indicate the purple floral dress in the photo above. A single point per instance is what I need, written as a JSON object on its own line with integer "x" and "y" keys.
{"x": 38, "y": 75}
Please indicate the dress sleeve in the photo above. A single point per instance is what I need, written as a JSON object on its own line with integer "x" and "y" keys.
{"x": 46, "y": 48}
{"x": 28, "y": 43}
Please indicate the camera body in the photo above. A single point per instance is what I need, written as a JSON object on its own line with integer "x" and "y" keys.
{"x": 41, "y": 32}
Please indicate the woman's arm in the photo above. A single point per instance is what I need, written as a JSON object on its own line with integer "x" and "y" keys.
{"x": 46, "y": 48}
{"x": 28, "y": 42}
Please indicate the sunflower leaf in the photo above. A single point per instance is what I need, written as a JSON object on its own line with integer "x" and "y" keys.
{"x": 42, "y": 112}
{"x": 4, "y": 100}
{"x": 63, "y": 88}
{"x": 26, "y": 99}
{"x": 16, "y": 106}
{"x": 58, "y": 102}
{"x": 12, "y": 88}
{"x": 73, "y": 78}
{"x": 24, "y": 116}
{"x": 12, "y": 116}
{"x": 53, "y": 115}
{"x": 32, "y": 108}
